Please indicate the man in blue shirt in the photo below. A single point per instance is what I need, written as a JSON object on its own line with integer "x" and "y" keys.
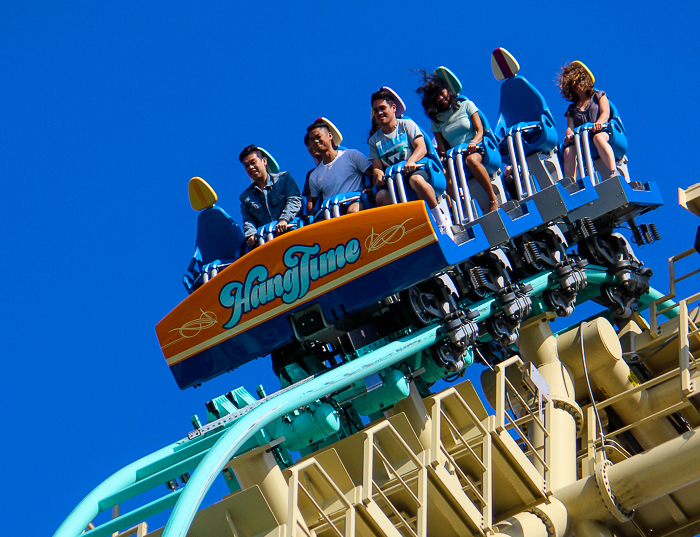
{"x": 270, "y": 197}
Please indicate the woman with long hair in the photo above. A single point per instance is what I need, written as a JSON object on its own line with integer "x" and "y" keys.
{"x": 588, "y": 105}
{"x": 455, "y": 121}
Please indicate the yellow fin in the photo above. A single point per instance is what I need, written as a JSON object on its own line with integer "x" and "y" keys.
{"x": 202, "y": 196}
{"x": 586, "y": 68}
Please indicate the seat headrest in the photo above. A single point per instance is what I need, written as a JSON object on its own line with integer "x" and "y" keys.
{"x": 335, "y": 132}
{"x": 400, "y": 105}
{"x": 448, "y": 76}
{"x": 503, "y": 64}
{"x": 521, "y": 101}
{"x": 202, "y": 196}
{"x": 585, "y": 67}
{"x": 272, "y": 166}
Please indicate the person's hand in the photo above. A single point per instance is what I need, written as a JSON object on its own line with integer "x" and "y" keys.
{"x": 568, "y": 139}
{"x": 598, "y": 126}
{"x": 471, "y": 148}
{"x": 251, "y": 241}
{"x": 409, "y": 167}
{"x": 381, "y": 181}
{"x": 281, "y": 226}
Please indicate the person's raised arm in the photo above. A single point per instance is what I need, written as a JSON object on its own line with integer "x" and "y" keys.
{"x": 419, "y": 151}
{"x": 292, "y": 203}
{"x": 569, "y": 136}
{"x": 378, "y": 173}
{"x": 250, "y": 231}
{"x": 603, "y": 113}
{"x": 479, "y": 136}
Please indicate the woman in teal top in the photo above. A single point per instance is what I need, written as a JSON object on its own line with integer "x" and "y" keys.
{"x": 455, "y": 122}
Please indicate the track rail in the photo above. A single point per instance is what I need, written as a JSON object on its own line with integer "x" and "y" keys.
{"x": 216, "y": 443}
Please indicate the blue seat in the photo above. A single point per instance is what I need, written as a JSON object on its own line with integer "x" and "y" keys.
{"x": 430, "y": 163}
{"x": 267, "y": 232}
{"x": 616, "y": 131}
{"x": 333, "y": 206}
{"x": 433, "y": 169}
{"x": 488, "y": 148}
{"x": 523, "y": 108}
{"x": 617, "y": 140}
{"x": 219, "y": 242}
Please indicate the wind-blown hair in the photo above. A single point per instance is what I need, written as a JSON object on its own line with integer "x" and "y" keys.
{"x": 248, "y": 150}
{"x": 429, "y": 91}
{"x": 574, "y": 75}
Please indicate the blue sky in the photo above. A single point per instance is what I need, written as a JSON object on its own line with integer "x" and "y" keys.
{"x": 109, "y": 108}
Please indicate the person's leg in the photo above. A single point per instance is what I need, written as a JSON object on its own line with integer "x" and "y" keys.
{"x": 383, "y": 197}
{"x": 474, "y": 161}
{"x": 354, "y": 207}
{"x": 423, "y": 190}
{"x": 607, "y": 156}
{"x": 451, "y": 183}
{"x": 569, "y": 161}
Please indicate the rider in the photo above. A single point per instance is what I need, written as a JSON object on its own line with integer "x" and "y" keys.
{"x": 339, "y": 171}
{"x": 270, "y": 197}
{"x": 306, "y": 191}
{"x": 400, "y": 140}
{"x": 588, "y": 105}
{"x": 455, "y": 122}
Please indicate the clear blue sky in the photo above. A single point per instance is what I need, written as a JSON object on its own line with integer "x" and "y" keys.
{"x": 108, "y": 108}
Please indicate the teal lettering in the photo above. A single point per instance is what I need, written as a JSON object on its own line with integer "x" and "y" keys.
{"x": 352, "y": 251}
{"x": 303, "y": 263}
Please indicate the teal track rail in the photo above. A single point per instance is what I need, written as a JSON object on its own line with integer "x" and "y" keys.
{"x": 210, "y": 453}
{"x": 226, "y": 445}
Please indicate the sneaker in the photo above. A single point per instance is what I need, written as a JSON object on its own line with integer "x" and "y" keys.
{"x": 446, "y": 230}
{"x": 614, "y": 173}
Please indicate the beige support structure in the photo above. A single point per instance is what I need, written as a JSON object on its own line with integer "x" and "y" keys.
{"x": 418, "y": 416}
{"x": 140, "y": 530}
{"x": 658, "y": 472}
{"x": 609, "y": 376}
{"x": 591, "y": 528}
{"x": 334, "y": 509}
{"x": 637, "y": 481}
{"x": 538, "y": 345}
{"x": 410, "y": 481}
{"x": 544, "y": 520}
{"x": 258, "y": 467}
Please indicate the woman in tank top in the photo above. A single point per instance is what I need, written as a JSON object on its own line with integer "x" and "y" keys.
{"x": 588, "y": 105}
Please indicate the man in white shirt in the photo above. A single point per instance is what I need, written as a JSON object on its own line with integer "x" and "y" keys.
{"x": 339, "y": 171}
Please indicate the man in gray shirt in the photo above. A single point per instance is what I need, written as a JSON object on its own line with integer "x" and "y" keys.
{"x": 339, "y": 171}
{"x": 397, "y": 140}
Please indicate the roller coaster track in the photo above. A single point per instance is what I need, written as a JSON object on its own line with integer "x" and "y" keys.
{"x": 210, "y": 452}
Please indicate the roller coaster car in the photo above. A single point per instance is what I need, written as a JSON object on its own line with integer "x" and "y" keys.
{"x": 323, "y": 293}
{"x": 303, "y": 285}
